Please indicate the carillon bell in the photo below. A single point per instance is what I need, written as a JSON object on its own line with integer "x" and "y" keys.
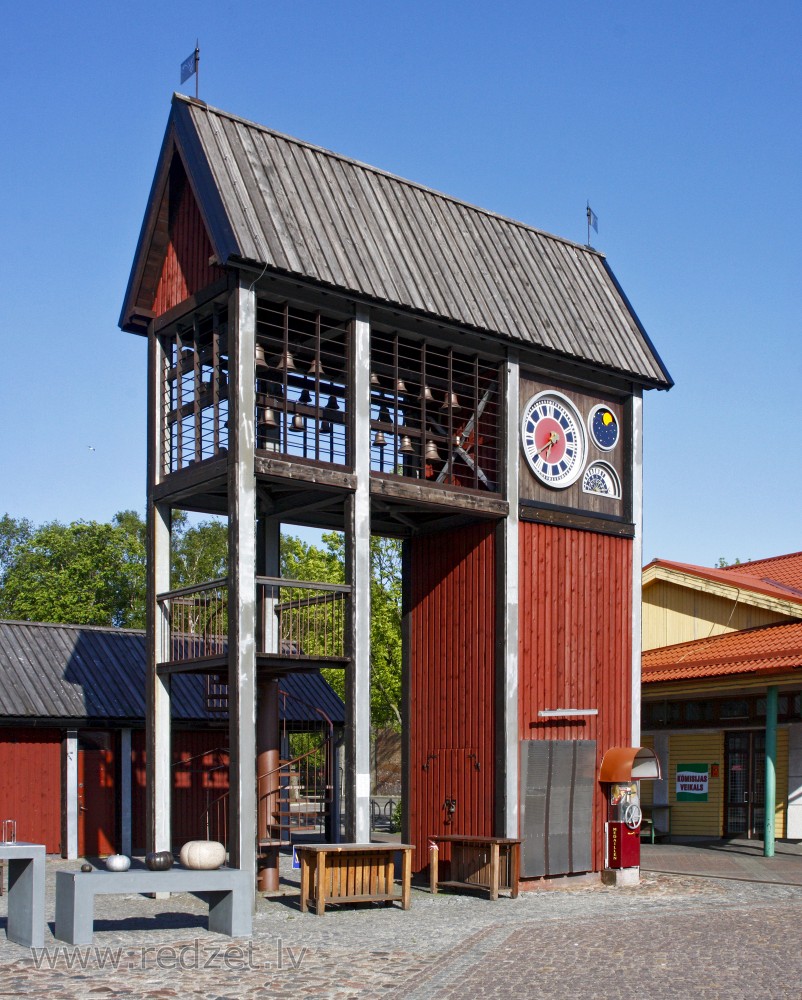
{"x": 261, "y": 358}
{"x": 432, "y": 454}
{"x": 450, "y": 401}
{"x": 298, "y": 422}
{"x": 285, "y": 362}
{"x": 380, "y": 440}
{"x": 426, "y": 394}
{"x": 316, "y": 368}
{"x": 268, "y": 417}
{"x": 400, "y": 388}
{"x": 406, "y": 447}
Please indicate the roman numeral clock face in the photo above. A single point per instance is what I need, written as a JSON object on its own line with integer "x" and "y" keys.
{"x": 553, "y": 439}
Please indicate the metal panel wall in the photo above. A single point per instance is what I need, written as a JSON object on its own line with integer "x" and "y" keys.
{"x": 30, "y": 784}
{"x": 557, "y": 783}
{"x": 451, "y": 684}
{"x": 575, "y": 638}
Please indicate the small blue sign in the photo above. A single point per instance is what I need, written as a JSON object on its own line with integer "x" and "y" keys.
{"x": 295, "y": 862}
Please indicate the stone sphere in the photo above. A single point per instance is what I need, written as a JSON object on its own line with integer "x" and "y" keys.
{"x": 86, "y": 868}
{"x": 202, "y": 855}
{"x": 159, "y": 861}
{"x": 118, "y": 863}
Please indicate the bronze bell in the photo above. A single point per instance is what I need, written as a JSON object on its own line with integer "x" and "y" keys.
{"x": 426, "y": 394}
{"x": 325, "y": 427}
{"x": 268, "y": 417}
{"x": 261, "y": 357}
{"x": 316, "y": 368}
{"x": 374, "y": 379}
{"x": 298, "y": 423}
{"x": 450, "y": 401}
{"x": 380, "y": 440}
{"x": 305, "y": 398}
{"x": 285, "y": 362}
{"x": 432, "y": 454}
{"x": 400, "y": 388}
{"x": 406, "y": 447}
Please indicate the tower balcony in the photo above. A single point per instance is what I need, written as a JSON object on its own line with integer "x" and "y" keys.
{"x": 301, "y": 625}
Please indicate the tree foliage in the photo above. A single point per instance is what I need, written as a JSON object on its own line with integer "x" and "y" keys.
{"x": 89, "y": 573}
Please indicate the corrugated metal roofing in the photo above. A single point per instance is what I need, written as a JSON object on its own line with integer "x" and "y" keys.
{"x": 295, "y": 208}
{"x": 768, "y": 649}
{"x": 81, "y": 672}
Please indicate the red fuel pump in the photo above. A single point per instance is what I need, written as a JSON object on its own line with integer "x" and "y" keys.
{"x": 622, "y": 768}
{"x": 623, "y": 825}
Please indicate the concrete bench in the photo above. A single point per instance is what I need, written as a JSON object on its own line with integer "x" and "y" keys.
{"x": 26, "y": 893}
{"x": 229, "y": 892}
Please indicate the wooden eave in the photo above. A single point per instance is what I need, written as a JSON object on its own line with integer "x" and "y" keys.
{"x": 754, "y": 597}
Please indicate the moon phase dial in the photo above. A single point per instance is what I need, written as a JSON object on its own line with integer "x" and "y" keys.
{"x": 603, "y": 426}
{"x": 553, "y": 439}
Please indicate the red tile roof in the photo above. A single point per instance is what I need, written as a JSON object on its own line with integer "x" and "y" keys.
{"x": 783, "y": 571}
{"x": 765, "y": 650}
{"x": 736, "y": 576}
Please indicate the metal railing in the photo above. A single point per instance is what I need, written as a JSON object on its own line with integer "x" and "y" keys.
{"x": 295, "y": 618}
{"x": 197, "y": 621}
{"x": 300, "y": 619}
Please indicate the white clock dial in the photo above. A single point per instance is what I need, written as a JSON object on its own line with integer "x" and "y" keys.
{"x": 553, "y": 439}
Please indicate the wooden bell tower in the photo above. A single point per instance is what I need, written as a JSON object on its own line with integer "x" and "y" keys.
{"x": 335, "y": 346}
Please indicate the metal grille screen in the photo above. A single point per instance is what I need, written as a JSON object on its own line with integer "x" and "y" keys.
{"x": 557, "y": 780}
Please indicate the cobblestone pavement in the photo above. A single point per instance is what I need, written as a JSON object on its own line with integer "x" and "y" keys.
{"x": 673, "y": 936}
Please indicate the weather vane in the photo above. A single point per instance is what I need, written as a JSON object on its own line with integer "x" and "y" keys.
{"x": 190, "y": 67}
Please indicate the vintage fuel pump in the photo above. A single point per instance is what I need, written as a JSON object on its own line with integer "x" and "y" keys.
{"x": 622, "y": 769}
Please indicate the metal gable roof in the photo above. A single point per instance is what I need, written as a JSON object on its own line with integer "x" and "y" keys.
{"x": 278, "y": 202}
{"x": 87, "y": 672}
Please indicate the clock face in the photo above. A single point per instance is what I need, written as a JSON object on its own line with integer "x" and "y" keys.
{"x": 553, "y": 439}
{"x": 601, "y": 478}
{"x": 603, "y": 426}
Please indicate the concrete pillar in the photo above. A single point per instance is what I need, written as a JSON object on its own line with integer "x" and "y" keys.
{"x": 157, "y": 695}
{"x": 241, "y": 579}
{"x": 635, "y": 421}
{"x": 507, "y": 741}
{"x": 69, "y": 795}
{"x": 126, "y": 789}
{"x": 357, "y": 559}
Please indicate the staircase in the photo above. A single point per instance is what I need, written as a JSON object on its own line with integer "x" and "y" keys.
{"x": 295, "y": 796}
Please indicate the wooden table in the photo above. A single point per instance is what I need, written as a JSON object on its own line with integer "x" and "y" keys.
{"x": 490, "y": 863}
{"x": 353, "y": 873}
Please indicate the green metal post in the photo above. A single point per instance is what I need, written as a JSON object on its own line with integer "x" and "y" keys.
{"x": 771, "y": 770}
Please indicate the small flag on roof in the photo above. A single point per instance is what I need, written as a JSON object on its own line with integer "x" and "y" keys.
{"x": 593, "y": 219}
{"x": 190, "y": 65}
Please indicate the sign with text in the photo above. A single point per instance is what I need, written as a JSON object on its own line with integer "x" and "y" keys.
{"x": 692, "y": 781}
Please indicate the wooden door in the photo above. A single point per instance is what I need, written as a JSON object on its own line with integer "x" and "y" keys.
{"x": 97, "y": 813}
{"x": 745, "y": 792}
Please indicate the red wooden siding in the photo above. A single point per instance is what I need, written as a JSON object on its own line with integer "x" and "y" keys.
{"x": 186, "y": 268}
{"x": 30, "y": 784}
{"x": 200, "y": 777}
{"x": 451, "y": 678}
{"x": 575, "y": 640}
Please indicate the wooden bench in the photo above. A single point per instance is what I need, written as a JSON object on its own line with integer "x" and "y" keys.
{"x": 353, "y": 873}
{"x": 229, "y": 892}
{"x": 488, "y": 863}
{"x": 647, "y": 823}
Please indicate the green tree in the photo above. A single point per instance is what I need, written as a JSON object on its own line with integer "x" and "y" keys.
{"x": 84, "y": 573}
{"x": 199, "y": 552}
{"x": 301, "y": 561}
{"x": 13, "y": 533}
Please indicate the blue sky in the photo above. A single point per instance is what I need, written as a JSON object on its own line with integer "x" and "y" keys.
{"x": 679, "y": 122}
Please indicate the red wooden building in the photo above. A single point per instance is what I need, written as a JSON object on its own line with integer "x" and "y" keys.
{"x": 335, "y": 345}
{"x": 72, "y": 739}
